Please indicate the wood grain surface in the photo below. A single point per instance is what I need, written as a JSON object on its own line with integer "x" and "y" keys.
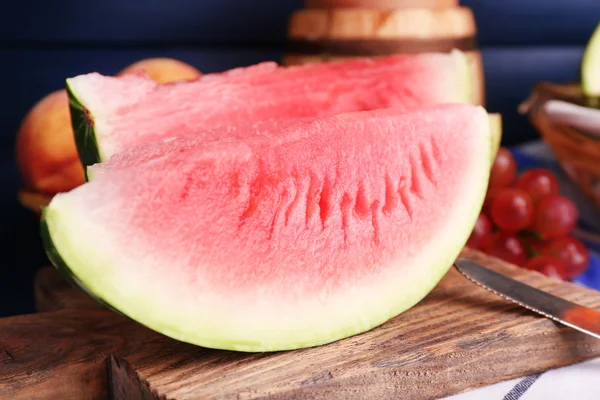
{"x": 458, "y": 338}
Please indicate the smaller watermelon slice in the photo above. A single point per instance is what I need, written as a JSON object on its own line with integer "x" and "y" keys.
{"x": 112, "y": 114}
{"x": 256, "y": 244}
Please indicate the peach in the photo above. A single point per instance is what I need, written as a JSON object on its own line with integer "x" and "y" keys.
{"x": 46, "y": 154}
{"x": 164, "y": 70}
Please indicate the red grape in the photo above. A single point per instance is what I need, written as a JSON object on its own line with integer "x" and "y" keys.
{"x": 539, "y": 183}
{"x": 512, "y": 210}
{"x": 574, "y": 255}
{"x": 508, "y": 247}
{"x": 556, "y": 216}
{"x": 489, "y": 199}
{"x": 481, "y": 236}
{"x": 548, "y": 266}
{"x": 534, "y": 245}
{"x": 504, "y": 169}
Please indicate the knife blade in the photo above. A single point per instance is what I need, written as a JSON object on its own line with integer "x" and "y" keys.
{"x": 576, "y": 316}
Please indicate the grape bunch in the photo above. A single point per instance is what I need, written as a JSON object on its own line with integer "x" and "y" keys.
{"x": 525, "y": 221}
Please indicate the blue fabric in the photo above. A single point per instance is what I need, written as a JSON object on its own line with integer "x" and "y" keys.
{"x": 534, "y": 22}
{"x": 262, "y": 22}
{"x": 587, "y": 227}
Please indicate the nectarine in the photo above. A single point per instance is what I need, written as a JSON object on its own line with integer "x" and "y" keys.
{"x": 164, "y": 70}
{"x": 46, "y": 154}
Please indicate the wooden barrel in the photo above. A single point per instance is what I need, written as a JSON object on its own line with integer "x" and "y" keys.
{"x": 320, "y": 34}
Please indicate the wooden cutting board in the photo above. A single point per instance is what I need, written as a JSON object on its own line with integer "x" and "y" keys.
{"x": 460, "y": 337}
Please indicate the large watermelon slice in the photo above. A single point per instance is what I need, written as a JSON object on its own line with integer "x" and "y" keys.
{"x": 257, "y": 244}
{"x": 111, "y": 114}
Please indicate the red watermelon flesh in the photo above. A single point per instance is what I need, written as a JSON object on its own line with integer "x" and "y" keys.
{"x": 272, "y": 131}
{"x": 255, "y": 245}
{"x": 112, "y": 114}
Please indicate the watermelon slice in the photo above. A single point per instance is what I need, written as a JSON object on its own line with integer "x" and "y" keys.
{"x": 260, "y": 244}
{"x": 112, "y": 114}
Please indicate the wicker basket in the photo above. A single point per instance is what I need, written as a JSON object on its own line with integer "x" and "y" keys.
{"x": 566, "y": 121}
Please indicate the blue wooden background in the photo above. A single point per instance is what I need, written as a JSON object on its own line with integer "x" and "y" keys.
{"x": 44, "y": 42}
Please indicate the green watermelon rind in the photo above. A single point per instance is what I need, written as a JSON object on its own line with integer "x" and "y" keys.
{"x": 590, "y": 65}
{"x": 83, "y": 130}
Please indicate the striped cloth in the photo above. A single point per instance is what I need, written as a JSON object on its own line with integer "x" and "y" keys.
{"x": 576, "y": 382}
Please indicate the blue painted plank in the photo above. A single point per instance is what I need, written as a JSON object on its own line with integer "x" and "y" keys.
{"x": 181, "y": 21}
{"x": 500, "y": 22}
{"x": 534, "y": 22}
{"x": 510, "y": 75}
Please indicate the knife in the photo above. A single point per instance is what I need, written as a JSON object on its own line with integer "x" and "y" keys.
{"x": 582, "y": 318}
